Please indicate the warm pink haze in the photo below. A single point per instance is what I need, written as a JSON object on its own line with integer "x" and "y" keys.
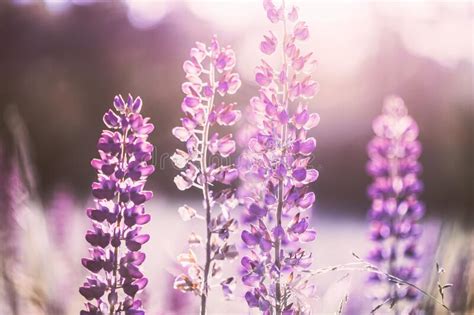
{"x": 271, "y": 160}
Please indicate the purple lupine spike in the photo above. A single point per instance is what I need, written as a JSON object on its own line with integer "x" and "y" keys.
{"x": 275, "y": 171}
{"x": 395, "y": 211}
{"x": 209, "y": 74}
{"x": 122, "y": 168}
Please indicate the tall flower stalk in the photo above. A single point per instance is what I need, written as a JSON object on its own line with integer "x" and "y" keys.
{"x": 119, "y": 213}
{"x": 276, "y": 172}
{"x": 209, "y": 74}
{"x": 395, "y": 209}
{"x": 23, "y": 233}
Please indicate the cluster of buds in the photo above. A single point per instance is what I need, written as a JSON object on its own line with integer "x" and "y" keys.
{"x": 119, "y": 213}
{"x": 276, "y": 173}
{"x": 395, "y": 209}
{"x": 209, "y": 74}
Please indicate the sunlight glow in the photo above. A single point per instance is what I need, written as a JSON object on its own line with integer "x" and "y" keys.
{"x": 146, "y": 13}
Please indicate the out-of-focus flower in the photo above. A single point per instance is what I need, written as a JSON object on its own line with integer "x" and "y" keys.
{"x": 209, "y": 74}
{"x": 22, "y": 230}
{"x": 395, "y": 210}
{"x": 275, "y": 171}
{"x": 122, "y": 170}
{"x": 11, "y": 196}
{"x": 177, "y": 302}
{"x": 60, "y": 210}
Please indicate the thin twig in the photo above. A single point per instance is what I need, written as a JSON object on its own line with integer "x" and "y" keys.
{"x": 343, "y": 302}
{"x": 362, "y": 265}
{"x": 380, "y": 305}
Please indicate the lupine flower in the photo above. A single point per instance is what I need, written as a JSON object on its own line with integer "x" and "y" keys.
{"x": 276, "y": 172}
{"x": 22, "y": 233}
{"x": 119, "y": 212}
{"x": 176, "y": 302}
{"x": 395, "y": 209}
{"x": 209, "y": 74}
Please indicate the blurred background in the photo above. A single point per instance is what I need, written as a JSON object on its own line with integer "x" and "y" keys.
{"x": 61, "y": 63}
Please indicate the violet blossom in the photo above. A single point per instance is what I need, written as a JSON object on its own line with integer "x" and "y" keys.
{"x": 395, "y": 209}
{"x": 119, "y": 213}
{"x": 209, "y": 74}
{"x": 276, "y": 172}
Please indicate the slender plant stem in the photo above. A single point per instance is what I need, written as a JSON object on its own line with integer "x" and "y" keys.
{"x": 119, "y": 219}
{"x": 278, "y": 301}
{"x": 391, "y": 270}
{"x": 365, "y": 266}
{"x": 278, "y": 296}
{"x": 392, "y": 263}
{"x": 205, "y": 193}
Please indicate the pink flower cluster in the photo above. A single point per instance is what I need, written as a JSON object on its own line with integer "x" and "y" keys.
{"x": 209, "y": 74}
{"x": 396, "y": 209}
{"x": 116, "y": 236}
{"x": 276, "y": 172}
